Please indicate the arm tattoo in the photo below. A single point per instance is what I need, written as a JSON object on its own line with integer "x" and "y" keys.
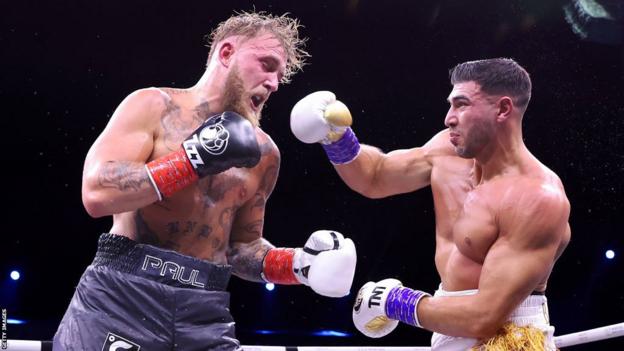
{"x": 255, "y": 227}
{"x": 123, "y": 175}
{"x": 247, "y": 258}
{"x": 258, "y": 200}
{"x": 268, "y": 180}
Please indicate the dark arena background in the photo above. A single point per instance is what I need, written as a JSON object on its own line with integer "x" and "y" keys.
{"x": 66, "y": 65}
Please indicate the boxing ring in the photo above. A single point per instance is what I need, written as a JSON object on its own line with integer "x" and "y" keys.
{"x": 582, "y": 337}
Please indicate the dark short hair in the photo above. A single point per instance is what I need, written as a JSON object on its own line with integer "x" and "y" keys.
{"x": 252, "y": 24}
{"x": 497, "y": 76}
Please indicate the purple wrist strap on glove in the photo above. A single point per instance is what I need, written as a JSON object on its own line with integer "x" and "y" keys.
{"x": 344, "y": 150}
{"x": 401, "y": 305}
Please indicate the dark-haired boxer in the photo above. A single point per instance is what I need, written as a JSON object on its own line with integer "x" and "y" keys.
{"x": 501, "y": 215}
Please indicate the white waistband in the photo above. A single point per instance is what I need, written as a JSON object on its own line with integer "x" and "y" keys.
{"x": 533, "y": 310}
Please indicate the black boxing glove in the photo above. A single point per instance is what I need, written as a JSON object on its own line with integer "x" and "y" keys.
{"x": 223, "y": 141}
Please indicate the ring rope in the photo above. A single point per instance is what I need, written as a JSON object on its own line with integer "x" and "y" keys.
{"x": 582, "y": 337}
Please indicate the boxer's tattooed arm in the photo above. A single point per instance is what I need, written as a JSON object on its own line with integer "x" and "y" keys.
{"x": 255, "y": 228}
{"x": 123, "y": 175}
{"x": 246, "y": 259}
{"x": 247, "y": 247}
{"x": 269, "y": 179}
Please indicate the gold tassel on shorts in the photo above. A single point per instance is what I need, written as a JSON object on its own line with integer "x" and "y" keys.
{"x": 514, "y": 338}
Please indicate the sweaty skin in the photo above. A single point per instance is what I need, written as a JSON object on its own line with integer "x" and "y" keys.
{"x": 501, "y": 215}
{"x": 220, "y": 217}
{"x": 197, "y": 220}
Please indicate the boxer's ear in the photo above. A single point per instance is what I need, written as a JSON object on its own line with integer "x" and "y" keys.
{"x": 504, "y": 107}
{"x": 226, "y": 52}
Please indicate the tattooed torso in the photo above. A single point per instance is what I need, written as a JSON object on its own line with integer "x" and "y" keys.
{"x": 198, "y": 220}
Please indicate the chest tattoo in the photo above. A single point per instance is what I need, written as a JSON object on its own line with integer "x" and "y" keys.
{"x": 215, "y": 187}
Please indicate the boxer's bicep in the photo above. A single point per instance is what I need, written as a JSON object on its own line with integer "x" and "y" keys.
{"x": 376, "y": 174}
{"x": 403, "y": 171}
{"x": 524, "y": 254}
{"x": 114, "y": 170}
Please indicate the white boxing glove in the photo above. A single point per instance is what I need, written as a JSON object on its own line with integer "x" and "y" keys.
{"x": 379, "y": 307}
{"x": 326, "y": 264}
{"x": 369, "y": 310}
{"x": 319, "y": 118}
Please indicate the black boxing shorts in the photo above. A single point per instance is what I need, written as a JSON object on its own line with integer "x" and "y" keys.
{"x": 140, "y": 297}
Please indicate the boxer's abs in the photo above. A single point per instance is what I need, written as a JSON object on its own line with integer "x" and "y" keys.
{"x": 196, "y": 221}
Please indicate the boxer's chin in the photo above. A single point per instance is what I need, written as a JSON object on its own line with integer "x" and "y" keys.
{"x": 246, "y": 112}
{"x": 236, "y": 100}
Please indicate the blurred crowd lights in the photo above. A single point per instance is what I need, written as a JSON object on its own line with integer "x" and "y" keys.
{"x": 15, "y": 275}
{"x": 610, "y": 254}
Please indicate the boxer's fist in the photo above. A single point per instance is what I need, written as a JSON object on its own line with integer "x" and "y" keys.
{"x": 326, "y": 263}
{"x": 319, "y": 117}
{"x": 369, "y": 310}
{"x": 223, "y": 141}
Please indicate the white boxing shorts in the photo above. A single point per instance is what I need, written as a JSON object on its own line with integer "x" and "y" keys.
{"x": 533, "y": 311}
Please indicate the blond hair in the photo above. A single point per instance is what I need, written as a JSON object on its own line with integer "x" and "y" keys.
{"x": 252, "y": 24}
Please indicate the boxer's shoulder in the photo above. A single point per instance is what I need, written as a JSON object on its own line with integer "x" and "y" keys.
{"x": 152, "y": 96}
{"x": 144, "y": 104}
{"x": 267, "y": 146}
{"x": 440, "y": 148}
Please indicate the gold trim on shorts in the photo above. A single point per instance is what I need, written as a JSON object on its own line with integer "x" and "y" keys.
{"x": 514, "y": 338}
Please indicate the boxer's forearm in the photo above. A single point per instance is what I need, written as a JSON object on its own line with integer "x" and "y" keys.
{"x": 375, "y": 174}
{"x": 461, "y": 316}
{"x": 246, "y": 259}
{"x": 360, "y": 173}
{"x": 115, "y": 187}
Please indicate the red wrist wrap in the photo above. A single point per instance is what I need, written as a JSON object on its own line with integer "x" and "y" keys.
{"x": 172, "y": 172}
{"x": 278, "y": 266}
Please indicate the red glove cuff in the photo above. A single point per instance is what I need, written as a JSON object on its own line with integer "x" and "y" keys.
{"x": 277, "y": 266}
{"x": 172, "y": 172}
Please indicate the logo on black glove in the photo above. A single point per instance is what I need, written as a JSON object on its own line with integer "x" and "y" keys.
{"x": 214, "y": 138}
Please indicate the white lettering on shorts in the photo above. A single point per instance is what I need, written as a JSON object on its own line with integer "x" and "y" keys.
{"x": 172, "y": 269}
{"x": 117, "y": 343}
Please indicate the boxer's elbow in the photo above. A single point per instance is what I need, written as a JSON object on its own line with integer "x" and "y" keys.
{"x": 376, "y": 186}
{"x": 485, "y": 325}
{"x": 93, "y": 195}
{"x": 98, "y": 201}
{"x": 362, "y": 182}
{"x": 95, "y": 203}
{"x": 482, "y": 330}
{"x": 369, "y": 192}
